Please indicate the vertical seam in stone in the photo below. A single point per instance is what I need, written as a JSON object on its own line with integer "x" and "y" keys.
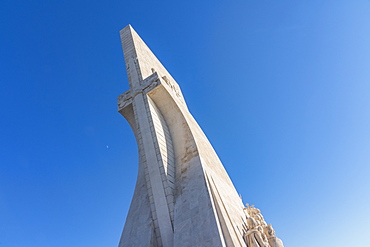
{"x": 227, "y": 213}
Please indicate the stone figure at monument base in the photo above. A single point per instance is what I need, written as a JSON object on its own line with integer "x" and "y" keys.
{"x": 183, "y": 195}
{"x": 254, "y": 237}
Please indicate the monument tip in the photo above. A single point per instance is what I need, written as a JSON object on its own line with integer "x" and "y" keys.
{"x": 127, "y": 28}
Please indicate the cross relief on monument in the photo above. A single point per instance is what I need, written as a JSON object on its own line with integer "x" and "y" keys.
{"x": 183, "y": 195}
{"x": 146, "y": 86}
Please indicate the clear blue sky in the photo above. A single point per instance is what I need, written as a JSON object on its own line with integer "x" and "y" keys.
{"x": 281, "y": 88}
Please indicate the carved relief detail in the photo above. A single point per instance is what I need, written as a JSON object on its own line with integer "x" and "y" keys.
{"x": 174, "y": 87}
{"x": 256, "y": 231}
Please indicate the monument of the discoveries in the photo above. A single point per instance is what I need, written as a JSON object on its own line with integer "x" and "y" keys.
{"x": 183, "y": 195}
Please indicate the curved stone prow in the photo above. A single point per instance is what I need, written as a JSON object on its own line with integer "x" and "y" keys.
{"x": 183, "y": 195}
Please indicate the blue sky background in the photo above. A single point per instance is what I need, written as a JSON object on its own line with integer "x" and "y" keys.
{"x": 281, "y": 88}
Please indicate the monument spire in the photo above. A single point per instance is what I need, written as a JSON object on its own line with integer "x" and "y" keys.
{"x": 183, "y": 195}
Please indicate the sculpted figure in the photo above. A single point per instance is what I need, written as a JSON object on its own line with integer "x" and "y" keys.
{"x": 255, "y": 213}
{"x": 263, "y": 235}
{"x": 254, "y": 236}
{"x": 260, "y": 220}
{"x": 272, "y": 239}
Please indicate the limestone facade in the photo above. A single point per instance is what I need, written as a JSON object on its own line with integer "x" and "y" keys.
{"x": 183, "y": 195}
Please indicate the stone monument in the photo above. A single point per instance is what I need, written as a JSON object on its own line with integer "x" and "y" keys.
{"x": 183, "y": 195}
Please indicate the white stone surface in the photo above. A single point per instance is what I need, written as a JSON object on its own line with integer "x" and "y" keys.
{"x": 183, "y": 196}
